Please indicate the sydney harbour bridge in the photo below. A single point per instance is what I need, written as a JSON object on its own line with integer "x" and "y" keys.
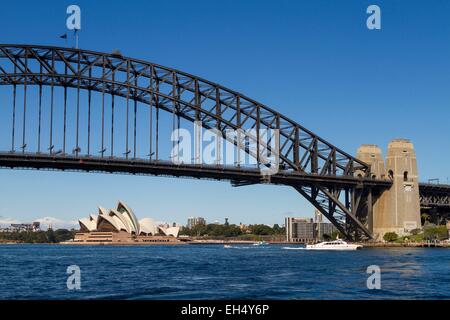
{"x": 80, "y": 110}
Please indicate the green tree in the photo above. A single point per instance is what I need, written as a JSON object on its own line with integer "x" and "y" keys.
{"x": 62, "y": 235}
{"x": 336, "y": 234}
{"x": 276, "y": 229}
{"x": 40, "y": 237}
{"x": 390, "y": 237}
{"x": 326, "y": 237}
{"x": 433, "y": 232}
{"x": 198, "y": 230}
{"x": 429, "y": 231}
{"x": 425, "y": 217}
{"x": 442, "y": 232}
{"x": 261, "y": 230}
{"x": 185, "y": 231}
{"x": 51, "y": 238}
{"x": 217, "y": 230}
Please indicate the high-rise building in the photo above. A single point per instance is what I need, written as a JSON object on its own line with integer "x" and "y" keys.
{"x": 299, "y": 230}
{"x": 322, "y": 229}
{"x": 318, "y": 216}
{"x": 29, "y": 227}
{"x": 305, "y": 230}
{"x": 193, "y": 221}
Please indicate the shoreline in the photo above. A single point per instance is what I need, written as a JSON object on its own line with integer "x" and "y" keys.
{"x": 238, "y": 242}
{"x": 405, "y": 245}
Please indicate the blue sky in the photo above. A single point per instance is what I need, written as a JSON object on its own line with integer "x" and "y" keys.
{"x": 314, "y": 61}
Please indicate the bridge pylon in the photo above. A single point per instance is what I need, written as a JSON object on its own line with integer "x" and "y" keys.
{"x": 398, "y": 208}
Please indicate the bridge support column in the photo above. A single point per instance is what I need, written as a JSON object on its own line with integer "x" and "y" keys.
{"x": 370, "y": 211}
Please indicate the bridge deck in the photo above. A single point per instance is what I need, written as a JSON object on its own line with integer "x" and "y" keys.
{"x": 168, "y": 168}
{"x": 435, "y": 188}
{"x": 435, "y": 196}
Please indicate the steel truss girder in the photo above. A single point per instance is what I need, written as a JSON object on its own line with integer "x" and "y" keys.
{"x": 434, "y": 196}
{"x": 186, "y": 95}
{"x": 351, "y": 216}
{"x": 435, "y": 200}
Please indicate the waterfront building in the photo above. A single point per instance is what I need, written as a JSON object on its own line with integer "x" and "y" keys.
{"x": 299, "y": 230}
{"x": 318, "y": 216}
{"x": 245, "y": 228}
{"x": 120, "y": 225}
{"x": 194, "y": 221}
{"x": 323, "y": 229}
{"x": 23, "y": 227}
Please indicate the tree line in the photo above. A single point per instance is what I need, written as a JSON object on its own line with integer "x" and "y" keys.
{"x": 231, "y": 230}
{"x": 430, "y": 232}
{"x": 49, "y": 236}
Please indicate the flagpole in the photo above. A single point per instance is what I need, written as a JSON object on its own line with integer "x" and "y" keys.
{"x": 76, "y": 38}
{"x": 64, "y": 36}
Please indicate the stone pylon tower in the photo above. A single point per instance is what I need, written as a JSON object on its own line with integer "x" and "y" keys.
{"x": 402, "y": 200}
{"x": 371, "y": 154}
{"x": 397, "y": 209}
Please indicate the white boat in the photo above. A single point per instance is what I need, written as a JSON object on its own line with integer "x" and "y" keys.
{"x": 227, "y": 246}
{"x": 261, "y": 243}
{"x": 338, "y": 245}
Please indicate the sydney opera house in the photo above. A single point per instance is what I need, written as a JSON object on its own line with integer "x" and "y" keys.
{"x": 120, "y": 226}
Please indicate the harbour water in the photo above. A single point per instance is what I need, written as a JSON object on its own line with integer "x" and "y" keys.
{"x": 212, "y": 272}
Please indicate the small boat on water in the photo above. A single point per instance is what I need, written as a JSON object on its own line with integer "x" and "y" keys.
{"x": 227, "y": 246}
{"x": 337, "y": 245}
{"x": 261, "y": 243}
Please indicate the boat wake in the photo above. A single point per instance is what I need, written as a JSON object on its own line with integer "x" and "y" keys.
{"x": 290, "y": 248}
{"x": 238, "y": 247}
{"x": 243, "y": 247}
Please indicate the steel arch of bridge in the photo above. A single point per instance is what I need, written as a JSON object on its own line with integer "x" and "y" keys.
{"x": 336, "y": 183}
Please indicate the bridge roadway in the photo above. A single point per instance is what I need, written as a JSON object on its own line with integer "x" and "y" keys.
{"x": 242, "y": 175}
{"x": 432, "y": 196}
{"x": 435, "y": 197}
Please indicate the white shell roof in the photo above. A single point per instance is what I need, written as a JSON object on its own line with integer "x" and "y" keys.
{"x": 148, "y": 226}
{"x": 126, "y": 211}
{"x": 124, "y": 219}
{"x": 89, "y": 223}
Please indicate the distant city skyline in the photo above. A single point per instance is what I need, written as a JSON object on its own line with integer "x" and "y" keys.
{"x": 47, "y": 221}
{"x": 342, "y": 81}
